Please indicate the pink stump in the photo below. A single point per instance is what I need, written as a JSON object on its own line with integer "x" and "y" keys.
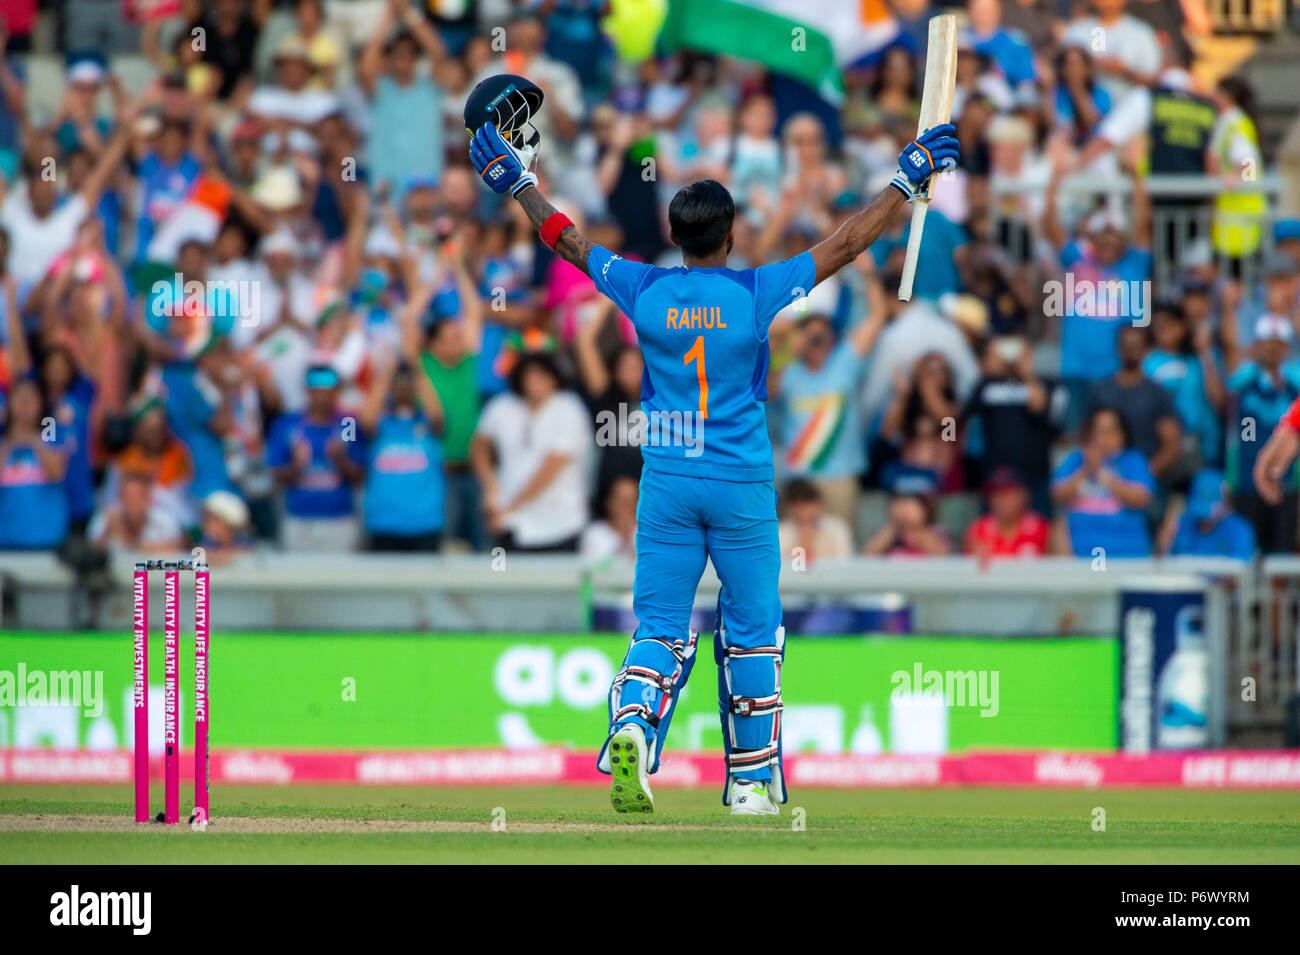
{"x": 171, "y": 684}
{"x": 140, "y": 691}
{"x": 200, "y": 692}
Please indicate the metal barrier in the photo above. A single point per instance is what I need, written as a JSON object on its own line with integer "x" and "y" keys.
{"x": 1268, "y": 653}
{"x": 1247, "y": 16}
{"x": 1251, "y": 613}
{"x": 1175, "y": 224}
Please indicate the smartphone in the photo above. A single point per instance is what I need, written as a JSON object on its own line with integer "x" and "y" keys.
{"x": 1010, "y": 349}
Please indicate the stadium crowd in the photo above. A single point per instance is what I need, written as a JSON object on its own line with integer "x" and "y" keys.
{"x": 262, "y": 299}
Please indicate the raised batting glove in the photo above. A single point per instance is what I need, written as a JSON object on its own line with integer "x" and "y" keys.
{"x": 933, "y": 150}
{"x": 499, "y": 164}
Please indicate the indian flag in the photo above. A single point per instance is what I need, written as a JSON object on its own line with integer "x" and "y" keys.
{"x": 810, "y": 40}
{"x": 198, "y": 217}
{"x": 816, "y": 438}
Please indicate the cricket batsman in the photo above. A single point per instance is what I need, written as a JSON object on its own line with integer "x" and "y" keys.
{"x": 703, "y": 332}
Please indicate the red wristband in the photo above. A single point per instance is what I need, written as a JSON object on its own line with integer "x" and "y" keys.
{"x": 556, "y": 223}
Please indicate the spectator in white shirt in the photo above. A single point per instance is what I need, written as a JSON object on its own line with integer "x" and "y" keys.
{"x": 41, "y": 229}
{"x": 287, "y": 308}
{"x": 531, "y": 454}
{"x": 292, "y": 100}
{"x": 807, "y": 532}
{"x": 134, "y": 522}
{"x": 1125, "y": 51}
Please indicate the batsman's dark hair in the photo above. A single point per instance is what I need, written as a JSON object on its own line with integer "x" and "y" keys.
{"x": 700, "y": 217}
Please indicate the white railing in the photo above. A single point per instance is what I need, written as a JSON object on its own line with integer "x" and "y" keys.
{"x": 1269, "y": 655}
{"x": 1250, "y": 615}
{"x": 1247, "y": 16}
{"x": 1174, "y": 227}
{"x": 1165, "y": 185}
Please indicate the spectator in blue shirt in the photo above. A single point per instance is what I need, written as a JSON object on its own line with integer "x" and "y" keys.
{"x": 1260, "y": 393}
{"x": 822, "y": 431}
{"x": 200, "y": 417}
{"x": 1079, "y": 101}
{"x": 13, "y": 89}
{"x": 503, "y": 282}
{"x": 942, "y": 252}
{"x": 1104, "y": 488}
{"x": 318, "y": 458}
{"x": 108, "y": 210}
{"x": 574, "y": 36}
{"x": 397, "y": 90}
{"x": 167, "y": 173}
{"x": 1007, "y": 47}
{"x": 78, "y": 123}
{"x": 1183, "y": 361}
{"x": 67, "y": 395}
{"x": 70, "y": 395}
{"x": 33, "y": 462}
{"x": 1208, "y": 527}
{"x": 1104, "y": 283}
{"x": 1103, "y": 255}
{"x": 1276, "y": 293}
{"x": 406, "y": 496}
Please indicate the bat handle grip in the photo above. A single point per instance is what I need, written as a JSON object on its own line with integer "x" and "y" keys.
{"x": 919, "y": 208}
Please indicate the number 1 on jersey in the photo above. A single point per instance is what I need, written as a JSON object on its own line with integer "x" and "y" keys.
{"x": 697, "y": 354}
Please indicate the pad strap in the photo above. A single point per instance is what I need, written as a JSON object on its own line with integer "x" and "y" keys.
{"x": 742, "y": 759}
{"x": 756, "y": 706}
{"x": 637, "y": 709}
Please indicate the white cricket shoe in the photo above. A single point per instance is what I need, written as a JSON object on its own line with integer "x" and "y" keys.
{"x": 630, "y": 768}
{"x": 750, "y": 797}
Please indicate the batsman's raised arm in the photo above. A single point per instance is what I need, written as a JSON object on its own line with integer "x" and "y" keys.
{"x": 505, "y": 168}
{"x": 852, "y": 238}
{"x": 933, "y": 150}
{"x": 556, "y": 229}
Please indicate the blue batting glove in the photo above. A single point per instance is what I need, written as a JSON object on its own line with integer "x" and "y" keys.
{"x": 934, "y": 150}
{"x": 499, "y": 164}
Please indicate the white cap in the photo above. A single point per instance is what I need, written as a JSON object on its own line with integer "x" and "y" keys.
{"x": 1197, "y": 254}
{"x": 281, "y": 240}
{"x": 278, "y": 188}
{"x": 227, "y": 506}
{"x": 969, "y": 312}
{"x": 1273, "y": 328}
{"x": 1108, "y": 218}
{"x": 86, "y": 71}
{"x": 380, "y": 241}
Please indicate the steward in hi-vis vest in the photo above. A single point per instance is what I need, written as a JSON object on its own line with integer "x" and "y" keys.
{"x": 1234, "y": 149}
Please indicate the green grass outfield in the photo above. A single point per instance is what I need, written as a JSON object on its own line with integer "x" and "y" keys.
{"x": 91, "y": 824}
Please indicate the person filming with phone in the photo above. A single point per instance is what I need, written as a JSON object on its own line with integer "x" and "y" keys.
{"x": 1014, "y": 415}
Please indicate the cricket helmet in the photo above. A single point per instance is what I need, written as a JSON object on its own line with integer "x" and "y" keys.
{"x": 510, "y": 102}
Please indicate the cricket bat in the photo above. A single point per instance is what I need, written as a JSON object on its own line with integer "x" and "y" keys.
{"x": 936, "y": 108}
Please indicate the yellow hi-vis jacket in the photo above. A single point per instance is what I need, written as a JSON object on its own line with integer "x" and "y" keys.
{"x": 1238, "y": 216}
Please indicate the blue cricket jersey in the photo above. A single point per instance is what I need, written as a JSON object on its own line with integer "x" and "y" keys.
{"x": 703, "y": 333}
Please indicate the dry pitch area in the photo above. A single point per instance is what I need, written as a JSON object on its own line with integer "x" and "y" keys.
{"x": 91, "y": 824}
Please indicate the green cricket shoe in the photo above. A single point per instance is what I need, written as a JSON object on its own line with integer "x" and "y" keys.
{"x": 750, "y": 797}
{"x": 630, "y": 768}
